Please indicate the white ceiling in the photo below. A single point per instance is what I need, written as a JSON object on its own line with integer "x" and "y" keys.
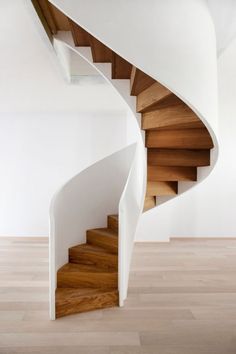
{"x": 30, "y": 78}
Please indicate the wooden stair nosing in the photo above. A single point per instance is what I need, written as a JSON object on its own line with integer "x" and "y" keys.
{"x": 70, "y": 301}
{"x": 178, "y": 157}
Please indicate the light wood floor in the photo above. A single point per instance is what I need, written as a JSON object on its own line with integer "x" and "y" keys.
{"x": 182, "y": 299}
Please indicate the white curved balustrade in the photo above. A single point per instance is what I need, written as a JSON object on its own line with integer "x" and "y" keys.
{"x": 83, "y": 203}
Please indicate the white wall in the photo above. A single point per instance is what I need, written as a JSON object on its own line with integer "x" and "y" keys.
{"x": 39, "y": 153}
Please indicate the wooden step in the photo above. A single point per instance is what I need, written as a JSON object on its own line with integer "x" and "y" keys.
{"x": 121, "y": 68}
{"x": 149, "y": 203}
{"x": 172, "y": 173}
{"x": 69, "y": 301}
{"x": 172, "y": 157}
{"x": 105, "y": 238}
{"x": 161, "y": 188}
{"x": 51, "y": 17}
{"x": 139, "y": 81}
{"x": 179, "y": 139}
{"x": 149, "y": 98}
{"x": 178, "y": 116}
{"x": 113, "y": 222}
{"x": 93, "y": 255}
{"x": 100, "y": 52}
{"x": 80, "y": 36}
{"x": 73, "y": 275}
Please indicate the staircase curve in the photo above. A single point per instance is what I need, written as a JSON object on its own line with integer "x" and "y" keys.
{"x": 165, "y": 70}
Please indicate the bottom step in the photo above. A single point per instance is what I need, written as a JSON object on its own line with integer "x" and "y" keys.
{"x": 70, "y": 301}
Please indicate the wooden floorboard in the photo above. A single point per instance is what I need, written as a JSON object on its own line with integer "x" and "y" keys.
{"x": 182, "y": 300}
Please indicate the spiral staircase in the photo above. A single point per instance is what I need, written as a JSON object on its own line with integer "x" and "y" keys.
{"x": 177, "y": 142}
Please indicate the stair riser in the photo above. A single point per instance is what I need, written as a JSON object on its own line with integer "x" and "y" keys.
{"x": 106, "y": 261}
{"x": 162, "y": 188}
{"x": 87, "y": 280}
{"x": 86, "y": 303}
{"x": 109, "y": 243}
{"x": 171, "y": 116}
{"x": 179, "y": 139}
{"x": 171, "y": 157}
{"x": 112, "y": 223}
{"x": 159, "y": 173}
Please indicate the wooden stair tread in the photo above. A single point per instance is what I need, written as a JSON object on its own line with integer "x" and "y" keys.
{"x": 175, "y": 116}
{"x": 171, "y": 173}
{"x": 104, "y": 232}
{"x": 73, "y": 275}
{"x": 91, "y": 248}
{"x": 161, "y": 188}
{"x": 106, "y": 238}
{"x": 83, "y": 268}
{"x": 70, "y": 301}
{"x": 150, "y": 97}
{"x": 179, "y": 157}
{"x": 179, "y": 139}
{"x": 139, "y": 81}
{"x": 93, "y": 255}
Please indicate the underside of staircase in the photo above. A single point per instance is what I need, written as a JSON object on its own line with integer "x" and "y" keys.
{"x": 177, "y": 143}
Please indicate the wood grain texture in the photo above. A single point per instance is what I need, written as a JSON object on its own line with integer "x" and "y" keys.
{"x": 100, "y": 52}
{"x": 60, "y": 19}
{"x": 139, "y": 81}
{"x": 179, "y": 115}
{"x": 113, "y": 222}
{"x": 80, "y": 36}
{"x": 47, "y": 13}
{"x": 106, "y": 238}
{"x": 86, "y": 276}
{"x": 70, "y": 301}
{"x": 121, "y": 68}
{"x": 181, "y": 300}
{"x": 171, "y": 173}
{"x": 161, "y": 188}
{"x": 150, "y": 97}
{"x": 179, "y": 139}
{"x": 92, "y": 255}
{"x": 149, "y": 203}
{"x": 172, "y": 157}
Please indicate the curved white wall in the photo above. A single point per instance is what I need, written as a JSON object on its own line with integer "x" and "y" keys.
{"x": 209, "y": 209}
